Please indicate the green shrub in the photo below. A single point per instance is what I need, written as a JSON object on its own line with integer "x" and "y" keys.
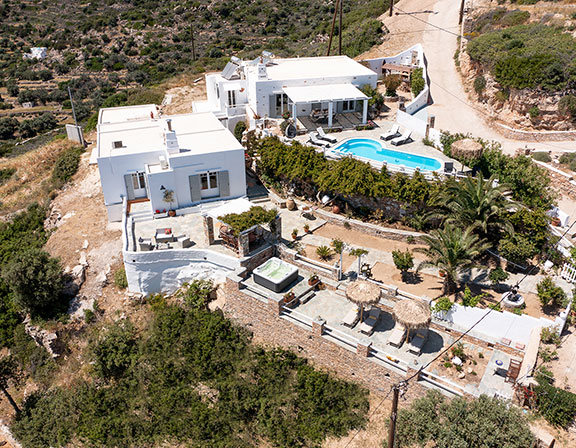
{"x": 243, "y": 221}
{"x": 403, "y": 260}
{"x": 534, "y": 112}
{"x": 239, "y": 130}
{"x": 392, "y": 82}
{"x": 516, "y": 17}
{"x": 517, "y": 249}
{"x": 417, "y": 81}
{"x": 376, "y": 99}
{"x": 114, "y": 350}
{"x": 443, "y": 304}
{"x": 324, "y": 252}
{"x": 542, "y": 157}
{"x": 120, "y": 279}
{"x": 549, "y": 293}
{"x": 479, "y": 84}
{"x": 567, "y": 106}
{"x": 557, "y": 406}
{"x": 498, "y": 275}
{"x": 67, "y": 164}
{"x": 6, "y": 174}
{"x": 550, "y": 335}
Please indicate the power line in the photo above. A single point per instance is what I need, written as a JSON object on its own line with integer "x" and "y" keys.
{"x": 446, "y": 30}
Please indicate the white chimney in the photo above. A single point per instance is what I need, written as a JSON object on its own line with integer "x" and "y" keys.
{"x": 262, "y": 72}
{"x": 163, "y": 162}
{"x": 170, "y": 139}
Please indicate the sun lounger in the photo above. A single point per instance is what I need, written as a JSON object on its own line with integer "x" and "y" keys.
{"x": 367, "y": 327}
{"x": 397, "y": 336}
{"x": 418, "y": 341}
{"x": 322, "y": 136}
{"x": 316, "y": 141}
{"x": 351, "y": 318}
{"x": 405, "y": 138}
{"x": 392, "y": 133}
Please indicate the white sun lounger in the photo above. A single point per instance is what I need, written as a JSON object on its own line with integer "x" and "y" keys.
{"x": 351, "y": 318}
{"x": 322, "y": 136}
{"x": 418, "y": 341}
{"x": 397, "y": 336}
{"x": 392, "y": 133}
{"x": 402, "y": 139}
{"x": 315, "y": 141}
{"x": 367, "y": 327}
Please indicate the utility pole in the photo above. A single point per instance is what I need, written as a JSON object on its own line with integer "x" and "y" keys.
{"x": 461, "y": 17}
{"x": 78, "y": 130}
{"x": 332, "y": 30}
{"x": 193, "y": 45}
{"x": 393, "y": 415}
{"x": 391, "y": 7}
{"x": 340, "y": 30}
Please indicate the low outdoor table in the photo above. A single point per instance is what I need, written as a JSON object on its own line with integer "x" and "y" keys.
{"x": 164, "y": 235}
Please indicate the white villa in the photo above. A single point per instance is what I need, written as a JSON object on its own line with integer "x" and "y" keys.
{"x": 269, "y": 87}
{"x": 141, "y": 155}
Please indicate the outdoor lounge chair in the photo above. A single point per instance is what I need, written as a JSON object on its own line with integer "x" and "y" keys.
{"x": 145, "y": 244}
{"x": 322, "y": 136}
{"x": 417, "y": 342}
{"x": 352, "y": 318}
{"x": 316, "y": 141}
{"x": 404, "y": 138}
{"x": 183, "y": 242}
{"x": 367, "y": 327}
{"x": 392, "y": 133}
{"x": 397, "y": 336}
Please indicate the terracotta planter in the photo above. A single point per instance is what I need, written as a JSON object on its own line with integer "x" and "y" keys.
{"x": 555, "y": 221}
{"x": 312, "y": 282}
{"x": 442, "y": 273}
{"x": 172, "y": 213}
{"x": 294, "y": 236}
{"x": 335, "y": 209}
{"x": 290, "y": 204}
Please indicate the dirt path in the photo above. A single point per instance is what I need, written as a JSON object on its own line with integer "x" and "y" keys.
{"x": 434, "y": 23}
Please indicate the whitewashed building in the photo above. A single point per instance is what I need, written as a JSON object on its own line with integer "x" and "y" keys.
{"x": 38, "y": 53}
{"x": 270, "y": 87}
{"x": 141, "y": 155}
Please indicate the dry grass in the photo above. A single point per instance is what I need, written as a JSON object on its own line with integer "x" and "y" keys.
{"x": 30, "y": 183}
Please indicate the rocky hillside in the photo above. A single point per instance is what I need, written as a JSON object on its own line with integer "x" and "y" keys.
{"x": 520, "y": 64}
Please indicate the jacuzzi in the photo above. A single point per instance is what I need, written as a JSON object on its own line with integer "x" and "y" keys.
{"x": 275, "y": 274}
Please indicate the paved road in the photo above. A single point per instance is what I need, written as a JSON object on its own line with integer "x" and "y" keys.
{"x": 451, "y": 107}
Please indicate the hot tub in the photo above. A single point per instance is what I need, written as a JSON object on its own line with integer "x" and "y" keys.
{"x": 275, "y": 274}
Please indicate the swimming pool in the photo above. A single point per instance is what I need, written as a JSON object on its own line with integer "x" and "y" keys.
{"x": 368, "y": 148}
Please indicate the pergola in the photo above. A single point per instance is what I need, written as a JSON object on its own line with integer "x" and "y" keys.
{"x": 330, "y": 94}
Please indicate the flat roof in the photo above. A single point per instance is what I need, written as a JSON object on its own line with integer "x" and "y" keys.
{"x": 315, "y": 67}
{"x": 127, "y": 113}
{"x": 329, "y": 92}
{"x": 197, "y": 133}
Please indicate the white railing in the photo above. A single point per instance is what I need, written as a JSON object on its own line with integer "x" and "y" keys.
{"x": 389, "y": 360}
{"x": 569, "y": 272}
{"x": 299, "y": 318}
{"x": 442, "y": 383}
{"x": 341, "y": 338}
{"x": 317, "y": 264}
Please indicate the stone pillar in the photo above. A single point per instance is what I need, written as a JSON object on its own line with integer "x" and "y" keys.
{"x": 365, "y": 112}
{"x": 363, "y": 348}
{"x": 330, "y": 112}
{"x": 244, "y": 244}
{"x": 318, "y": 326}
{"x": 275, "y": 305}
{"x": 277, "y": 227}
{"x": 209, "y": 229}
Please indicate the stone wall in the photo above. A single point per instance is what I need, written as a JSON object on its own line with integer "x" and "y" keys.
{"x": 262, "y": 319}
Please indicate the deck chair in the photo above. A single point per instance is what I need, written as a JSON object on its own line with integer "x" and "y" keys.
{"x": 404, "y": 138}
{"x": 352, "y": 318}
{"x": 367, "y": 327}
{"x": 418, "y": 340}
{"x": 397, "y": 336}
{"x": 393, "y": 132}
{"x": 316, "y": 141}
{"x": 322, "y": 136}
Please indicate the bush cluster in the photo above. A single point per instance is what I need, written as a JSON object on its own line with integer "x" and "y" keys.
{"x": 243, "y": 221}
{"x": 417, "y": 81}
{"x": 66, "y": 165}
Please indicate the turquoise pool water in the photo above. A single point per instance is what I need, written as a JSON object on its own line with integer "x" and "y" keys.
{"x": 372, "y": 149}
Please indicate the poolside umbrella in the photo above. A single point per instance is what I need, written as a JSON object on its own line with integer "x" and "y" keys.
{"x": 412, "y": 314}
{"x": 466, "y": 149}
{"x": 362, "y": 292}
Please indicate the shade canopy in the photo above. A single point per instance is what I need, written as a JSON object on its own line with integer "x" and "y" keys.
{"x": 412, "y": 313}
{"x": 324, "y": 93}
{"x": 363, "y": 293}
{"x": 466, "y": 148}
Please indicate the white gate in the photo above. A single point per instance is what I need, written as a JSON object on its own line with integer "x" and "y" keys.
{"x": 569, "y": 272}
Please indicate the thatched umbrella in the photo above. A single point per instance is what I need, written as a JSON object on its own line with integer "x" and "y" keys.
{"x": 412, "y": 314}
{"x": 363, "y": 293}
{"x": 466, "y": 149}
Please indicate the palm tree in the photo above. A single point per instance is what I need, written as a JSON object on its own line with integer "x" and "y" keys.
{"x": 478, "y": 203}
{"x": 452, "y": 250}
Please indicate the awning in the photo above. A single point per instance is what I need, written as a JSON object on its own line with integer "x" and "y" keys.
{"x": 239, "y": 205}
{"x": 232, "y": 86}
{"x": 324, "y": 93}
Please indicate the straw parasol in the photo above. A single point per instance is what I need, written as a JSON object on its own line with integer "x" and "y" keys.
{"x": 363, "y": 293}
{"x": 466, "y": 149}
{"x": 412, "y": 314}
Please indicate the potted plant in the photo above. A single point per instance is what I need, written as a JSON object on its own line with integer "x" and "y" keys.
{"x": 169, "y": 197}
{"x": 294, "y": 234}
{"x": 442, "y": 273}
{"x": 313, "y": 279}
{"x": 555, "y": 221}
{"x": 289, "y": 296}
{"x": 335, "y": 209}
{"x": 306, "y": 228}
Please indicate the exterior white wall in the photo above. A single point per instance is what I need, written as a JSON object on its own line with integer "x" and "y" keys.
{"x": 113, "y": 169}
{"x": 156, "y": 181}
